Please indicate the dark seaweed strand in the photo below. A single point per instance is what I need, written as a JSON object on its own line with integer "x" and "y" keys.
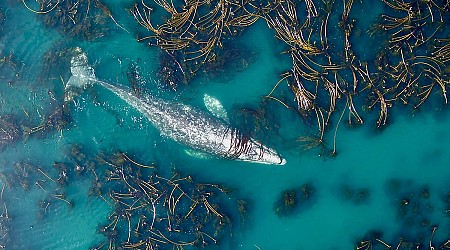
{"x": 240, "y": 144}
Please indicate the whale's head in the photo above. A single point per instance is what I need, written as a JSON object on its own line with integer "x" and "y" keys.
{"x": 259, "y": 153}
{"x": 247, "y": 149}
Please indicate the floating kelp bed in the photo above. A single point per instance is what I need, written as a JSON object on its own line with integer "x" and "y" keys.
{"x": 148, "y": 211}
{"x": 155, "y": 212}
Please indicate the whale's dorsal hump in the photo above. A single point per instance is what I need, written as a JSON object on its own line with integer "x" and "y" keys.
{"x": 215, "y": 107}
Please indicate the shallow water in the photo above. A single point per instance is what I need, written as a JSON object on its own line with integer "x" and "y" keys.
{"x": 408, "y": 159}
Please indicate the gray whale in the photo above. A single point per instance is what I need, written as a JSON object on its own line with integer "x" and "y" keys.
{"x": 185, "y": 124}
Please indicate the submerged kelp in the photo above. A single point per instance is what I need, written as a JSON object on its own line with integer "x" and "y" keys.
{"x": 20, "y": 182}
{"x": 9, "y": 130}
{"x": 414, "y": 206}
{"x": 147, "y": 209}
{"x": 373, "y": 240}
{"x": 261, "y": 121}
{"x": 232, "y": 58}
{"x": 171, "y": 74}
{"x": 355, "y": 195}
{"x": 158, "y": 212}
{"x": 325, "y": 74}
{"x": 2, "y": 18}
{"x": 27, "y": 174}
{"x": 416, "y": 216}
{"x": 56, "y": 68}
{"x": 55, "y": 122}
{"x": 21, "y": 174}
{"x": 227, "y": 61}
{"x": 152, "y": 211}
{"x": 37, "y": 113}
{"x": 14, "y": 128}
{"x": 194, "y": 33}
{"x": 8, "y": 68}
{"x": 5, "y": 222}
{"x": 292, "y": 200}
{"x": 84, "y": 19}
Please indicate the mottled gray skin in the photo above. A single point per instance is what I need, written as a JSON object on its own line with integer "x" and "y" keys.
{"x": 183, "y": 123}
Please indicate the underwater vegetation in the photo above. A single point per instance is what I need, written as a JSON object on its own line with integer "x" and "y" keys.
{"x": 292, "y": 200}
{"x": 22, "y": 116}
{"x": 155, "y": 212}
{"x": 404, "y": 72}
{"x": 260, "y": 121}
{"x": 231, "y": 59}
{"x": 148, "y": 210}
{"x": 158, "y": 212}
{"x": 9, "y": 131}
{"x": 2, "y": 18}
{"x": 195, "y": 31}
{"x": 5, "y": 222}
{"x": 56, "y": 64}
{"x": 413, "y": 204}
{"x": 14, "y": 128}
{"x": 27, "y": 175}
{"x": 8, "y": 68}
{"x": 415, "y": 210}
{"x": 82, "y": 19}
{"x": 355, "y": 195}
{"x": 171, "y": 74}
{"x": 373, "y": 240}
{"x": 48, "y": 182}
{"x": 54, "y": 122}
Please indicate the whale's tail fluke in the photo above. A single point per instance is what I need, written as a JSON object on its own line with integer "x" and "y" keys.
{"x": 83, "y": 75}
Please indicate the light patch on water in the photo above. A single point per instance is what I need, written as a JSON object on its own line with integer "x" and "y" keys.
{"x": 215, "y": 107}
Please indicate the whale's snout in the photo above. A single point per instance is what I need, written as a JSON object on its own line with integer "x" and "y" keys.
{"x": 259, "y": 153}
{"x": 269, "y": 156}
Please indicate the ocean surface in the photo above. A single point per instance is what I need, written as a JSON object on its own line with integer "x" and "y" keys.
{"x": 390, "y": 184}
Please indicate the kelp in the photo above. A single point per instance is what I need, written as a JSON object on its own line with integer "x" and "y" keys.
{"x": 373, "y": 240}
{"x": 83, "y": 19}
{"x": 151, "y": 211}
{"x": 194, "y": 32}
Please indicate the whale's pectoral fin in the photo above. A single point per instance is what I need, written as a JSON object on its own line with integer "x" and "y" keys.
{"x": 83, "y": 75}
{"x": 215, "y": 107}
{"x": 197, "y": 154}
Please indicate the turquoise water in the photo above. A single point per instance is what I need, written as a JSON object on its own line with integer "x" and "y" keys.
{"x": 360, "y": 190}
